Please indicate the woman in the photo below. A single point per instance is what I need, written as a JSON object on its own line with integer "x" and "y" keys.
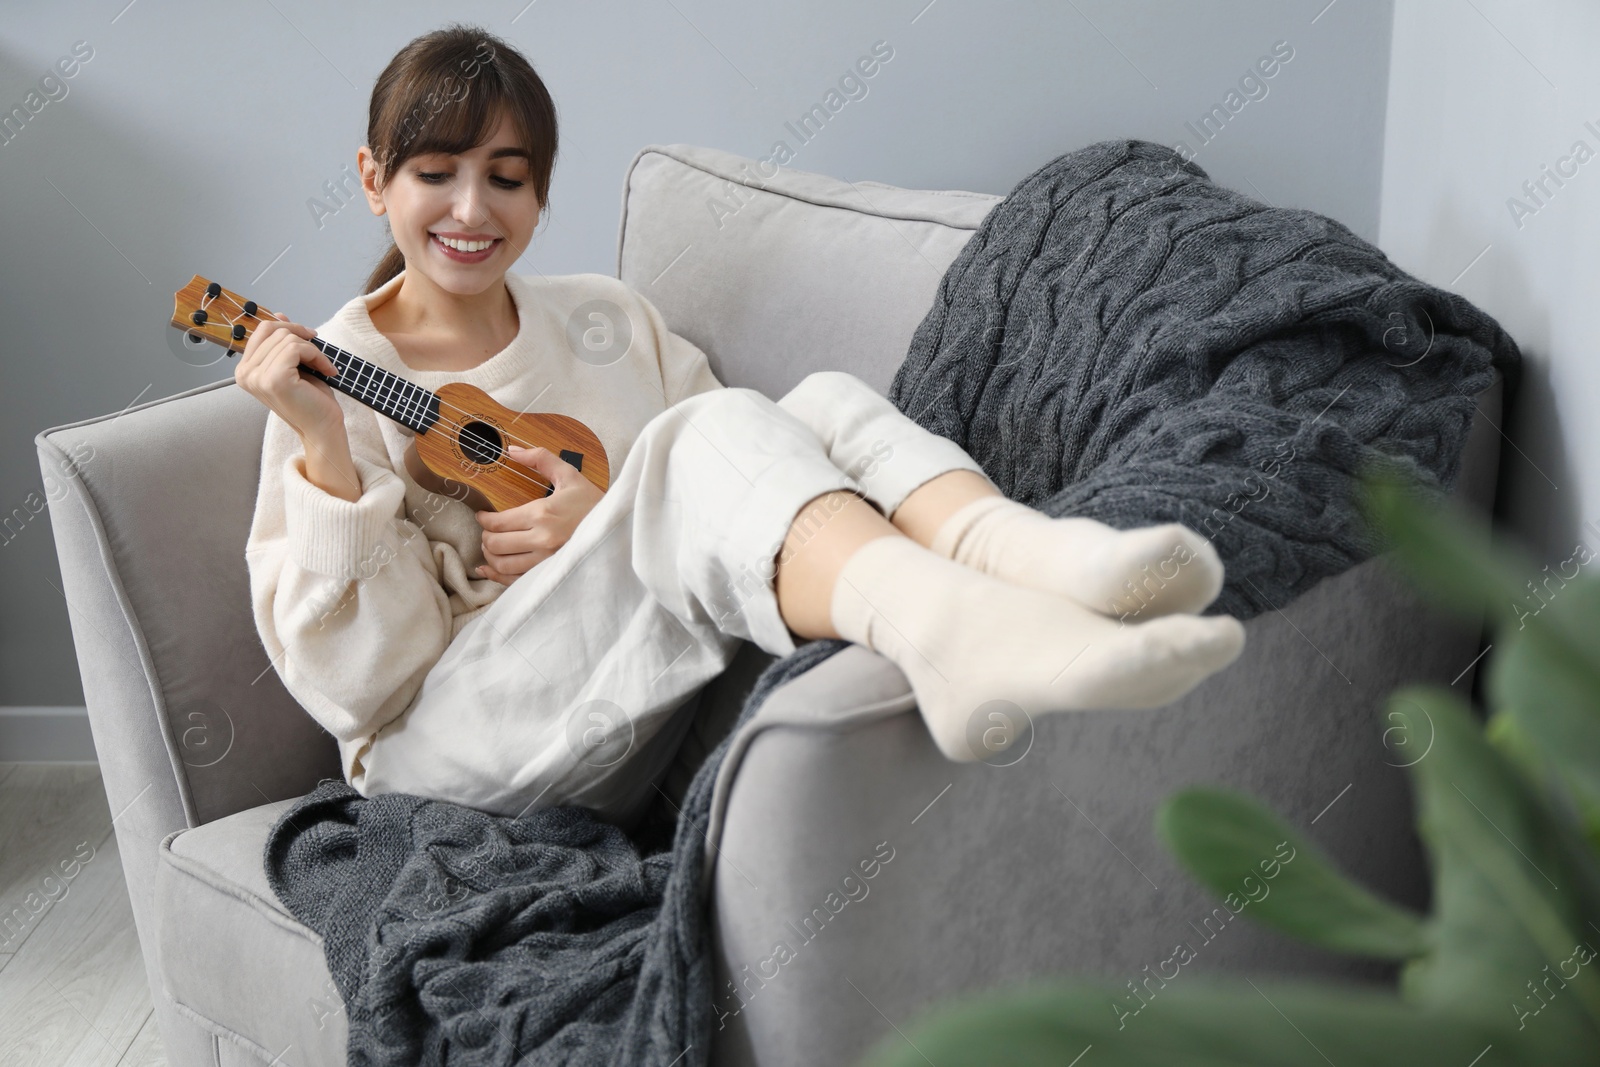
{"x": 536, "y": 656}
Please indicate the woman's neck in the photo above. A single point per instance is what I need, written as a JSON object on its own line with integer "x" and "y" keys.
{"x": 434, "y": 329}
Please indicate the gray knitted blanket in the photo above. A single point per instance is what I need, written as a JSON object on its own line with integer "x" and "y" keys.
{"x": 1120, "y": 339}
{"x": 466, "y": 939}
{"x": 1124, "y": 340}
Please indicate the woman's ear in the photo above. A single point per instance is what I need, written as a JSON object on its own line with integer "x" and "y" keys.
{"x": 367, "y": 163}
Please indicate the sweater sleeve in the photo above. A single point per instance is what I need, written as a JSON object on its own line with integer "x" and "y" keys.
{"x": 347, "y": 595}
{"x": 685, "y": 370}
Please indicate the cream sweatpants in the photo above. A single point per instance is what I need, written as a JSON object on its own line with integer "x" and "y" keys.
{"x": 563, "y": 691}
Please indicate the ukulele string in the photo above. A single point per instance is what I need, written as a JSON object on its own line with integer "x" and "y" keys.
{"x": 459, "y": 428}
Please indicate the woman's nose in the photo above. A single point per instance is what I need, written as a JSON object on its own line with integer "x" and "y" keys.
{"x": 468, "y": 207}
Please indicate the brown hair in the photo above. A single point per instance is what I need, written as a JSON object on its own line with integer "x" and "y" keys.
{"x": 445, "y": 92}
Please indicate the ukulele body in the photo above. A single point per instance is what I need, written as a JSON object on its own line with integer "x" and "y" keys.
{"x": 464, "y": 455}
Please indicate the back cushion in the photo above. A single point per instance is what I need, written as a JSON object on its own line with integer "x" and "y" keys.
{"x": 780, "y": 277}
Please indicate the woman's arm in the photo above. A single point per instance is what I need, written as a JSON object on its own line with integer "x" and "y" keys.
{"x": 346, "y": 591}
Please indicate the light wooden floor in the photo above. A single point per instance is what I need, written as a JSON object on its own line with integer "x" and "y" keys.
{"x": 72, "y": 982}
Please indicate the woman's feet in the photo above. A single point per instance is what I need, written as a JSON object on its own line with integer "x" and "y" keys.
{"x": 1132, "y": 575}
{"x": 965, "y": 639}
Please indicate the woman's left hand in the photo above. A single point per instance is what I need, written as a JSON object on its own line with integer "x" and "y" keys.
{"x": 518, "y": 539}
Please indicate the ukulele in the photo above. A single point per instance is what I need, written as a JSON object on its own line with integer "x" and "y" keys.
{"x": 460, "y": 433}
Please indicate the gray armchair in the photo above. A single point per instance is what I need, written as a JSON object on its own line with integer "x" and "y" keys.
{"x": 982, "y": 874}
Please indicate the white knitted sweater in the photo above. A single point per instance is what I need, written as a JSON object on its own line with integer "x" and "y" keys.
{"x": 356, "y": 601}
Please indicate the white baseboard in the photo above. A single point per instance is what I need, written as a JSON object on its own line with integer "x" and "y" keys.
{"x": 45, "y": 735}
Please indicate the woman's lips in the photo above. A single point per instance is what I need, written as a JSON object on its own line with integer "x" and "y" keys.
{"x": 464, "y": 257}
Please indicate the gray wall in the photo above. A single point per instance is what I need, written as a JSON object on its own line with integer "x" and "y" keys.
{"x": 1522, "y": 91}
{"x": 194, "y": 137}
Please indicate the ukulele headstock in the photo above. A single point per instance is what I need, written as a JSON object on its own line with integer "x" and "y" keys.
{"x": 206, "y": 310}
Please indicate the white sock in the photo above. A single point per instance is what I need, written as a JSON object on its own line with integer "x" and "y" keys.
{"x": 964, "y": 639}
{"x": 1132, "y": 575}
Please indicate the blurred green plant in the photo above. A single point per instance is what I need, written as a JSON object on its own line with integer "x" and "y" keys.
{"x": 1503, "y": 970}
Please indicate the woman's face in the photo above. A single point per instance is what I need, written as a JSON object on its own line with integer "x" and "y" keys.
{"x": 483, "y": 194}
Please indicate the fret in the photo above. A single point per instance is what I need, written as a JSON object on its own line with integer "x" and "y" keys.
{"x": 401, "y": 406}
{"x": 402, "y": 391}
{"x": 384, "y": 392}
{"x": 413, "y": 394}
{"x": 430, "y": 411}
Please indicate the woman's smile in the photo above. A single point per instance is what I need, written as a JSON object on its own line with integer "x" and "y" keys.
{"x": 457, "y": 249}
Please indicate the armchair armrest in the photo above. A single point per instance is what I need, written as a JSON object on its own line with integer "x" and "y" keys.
{"x": 150, "y": 509}
{"x": 1050, "y": 866}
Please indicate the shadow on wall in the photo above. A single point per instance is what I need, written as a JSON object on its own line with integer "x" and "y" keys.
{"x": 1533, "y": 461}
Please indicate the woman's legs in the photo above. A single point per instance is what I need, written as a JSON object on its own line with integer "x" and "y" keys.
{"x": 728, "y": 521}
{"x": 812, "y": 556}
{"x": 937, "y": 495}
{"x": 931, "y": 505}
{"x": 993, "y": 625}
{"x": 978, "y": 650}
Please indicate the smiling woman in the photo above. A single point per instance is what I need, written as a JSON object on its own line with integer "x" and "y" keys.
{"x": 447, "y": 649}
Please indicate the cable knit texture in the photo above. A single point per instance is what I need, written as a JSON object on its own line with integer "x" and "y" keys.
{"x": 1125, "y": 340}
{"x": 472, "y": 940}
{"x": 330, "y": 578}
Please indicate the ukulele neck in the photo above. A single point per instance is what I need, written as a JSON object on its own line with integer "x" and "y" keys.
{"x": 385, "y": 392}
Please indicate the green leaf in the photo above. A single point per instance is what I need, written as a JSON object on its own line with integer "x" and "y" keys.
{"x": 1508, "y": 739}
{"x": 1444, "y": 550}
{"x": 1253, "y": 860}
{"x": 1516, "y": 892}
{"x": 1545, "y": 674}
{"x": 1547, "y": 671}
{"x": 1266, "y": 1024}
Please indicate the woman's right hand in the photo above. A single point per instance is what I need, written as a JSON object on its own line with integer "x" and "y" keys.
{"x": 269, "y": 370}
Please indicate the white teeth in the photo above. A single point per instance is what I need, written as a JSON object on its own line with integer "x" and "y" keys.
{"x": 464, "y": 246}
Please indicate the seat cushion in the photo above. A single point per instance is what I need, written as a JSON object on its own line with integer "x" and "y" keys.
{"x": 232, "y": 958}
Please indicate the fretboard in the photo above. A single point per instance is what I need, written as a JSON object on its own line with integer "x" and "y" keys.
{"x": 385, "y": 392}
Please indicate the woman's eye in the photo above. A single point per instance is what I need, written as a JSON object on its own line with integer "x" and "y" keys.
{"x": 434, "y": 177}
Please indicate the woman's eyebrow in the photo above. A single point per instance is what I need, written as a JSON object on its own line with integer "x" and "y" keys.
{"x": 498, "y": 153}
{"x": 510, "y": 151}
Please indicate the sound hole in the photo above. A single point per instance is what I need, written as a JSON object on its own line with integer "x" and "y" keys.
{"x": 481, "y": 442}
